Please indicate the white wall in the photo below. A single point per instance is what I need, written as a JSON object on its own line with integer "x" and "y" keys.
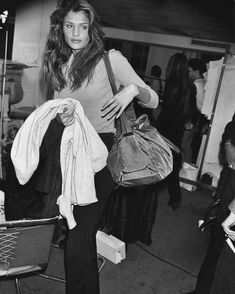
{"x": 31, "y": 28}
{"x": 162, "y": 47}
{"x": 160, "y": 39}
{"x": 159, "y": 56}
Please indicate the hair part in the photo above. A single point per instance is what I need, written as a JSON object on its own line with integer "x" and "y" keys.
{"x": 57, "y": 51}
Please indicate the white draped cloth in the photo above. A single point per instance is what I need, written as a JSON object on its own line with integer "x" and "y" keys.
{"x": 82, "y": 152}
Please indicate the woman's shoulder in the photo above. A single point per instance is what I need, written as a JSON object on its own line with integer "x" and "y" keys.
{"x": 114, "y": 52}
{"x": 115, "y": 55}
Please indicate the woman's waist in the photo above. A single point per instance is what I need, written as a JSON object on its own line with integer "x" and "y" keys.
{"x": 102, "y": 125}
{"x": 108, "y": 139}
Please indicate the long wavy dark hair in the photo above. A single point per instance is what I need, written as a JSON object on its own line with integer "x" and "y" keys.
{"x": 178, "y": 91}
{"x": 57, "y": 52}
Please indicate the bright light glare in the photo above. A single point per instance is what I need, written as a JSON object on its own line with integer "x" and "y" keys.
{"x": 3, "y": 16}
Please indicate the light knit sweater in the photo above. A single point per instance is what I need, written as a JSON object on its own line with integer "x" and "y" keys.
{"x": 97, "y": 92}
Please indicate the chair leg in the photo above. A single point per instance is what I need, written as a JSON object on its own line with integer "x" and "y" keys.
{"x": 102, "y": 262}
{"x": 49, "y": 277}
{"x": 17, "y": 284}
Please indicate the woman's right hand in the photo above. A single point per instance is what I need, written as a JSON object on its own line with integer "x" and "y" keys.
{"x": 67, "y": 116}
{"x": 230, "y": 154}
{"x": 117, "y": 104}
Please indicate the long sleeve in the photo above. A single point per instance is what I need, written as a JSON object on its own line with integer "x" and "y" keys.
{"x": 125, "y": 75}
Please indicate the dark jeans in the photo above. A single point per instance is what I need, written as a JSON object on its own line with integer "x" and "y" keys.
{"x": 225, "y": 192}
{"x": 207, "y": 270}
{"x": 224, "y": 282}
{"x": 80, "y": 252}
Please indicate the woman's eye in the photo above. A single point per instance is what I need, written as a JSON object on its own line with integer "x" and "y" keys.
{"x": 84, "y": 27}
{"x": 68, "y": 26}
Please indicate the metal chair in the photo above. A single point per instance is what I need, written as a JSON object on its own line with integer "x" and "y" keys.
{"x": 209, "y": 217}
{"x": 25, "y": 247}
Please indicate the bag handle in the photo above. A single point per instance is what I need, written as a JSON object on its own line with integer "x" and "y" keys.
{"x": 142, "y": 120}
{"x": 122, "y": 124}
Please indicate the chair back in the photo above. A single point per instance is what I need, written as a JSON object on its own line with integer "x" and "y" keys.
{"x": 25, "y": 243}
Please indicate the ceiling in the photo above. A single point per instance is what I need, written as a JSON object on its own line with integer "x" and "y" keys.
{"x": 203, "y": 19}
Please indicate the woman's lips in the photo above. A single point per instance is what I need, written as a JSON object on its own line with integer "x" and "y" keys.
{"x": 75, "y": 41}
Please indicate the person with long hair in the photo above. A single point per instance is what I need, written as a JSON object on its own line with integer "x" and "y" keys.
{"x": 209, "y": 275}
{"x": 178, "y": 112}
{"x": 74, "y": 67}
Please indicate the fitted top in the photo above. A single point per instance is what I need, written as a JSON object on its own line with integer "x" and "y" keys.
{"x": 93, "y": 95}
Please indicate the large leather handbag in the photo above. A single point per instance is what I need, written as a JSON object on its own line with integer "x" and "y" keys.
{"x": 140, "y": 155}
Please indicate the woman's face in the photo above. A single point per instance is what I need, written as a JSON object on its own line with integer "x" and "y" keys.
{"x": 75, "y": 29}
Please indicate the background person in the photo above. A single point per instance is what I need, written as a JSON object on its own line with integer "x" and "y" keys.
{"x": 156, "y": 82}
{"x": 196, "y": 70}
{"x": 225, "y": 192}
{"x": 178, "y": 109}
{"x": 223, "y": 281}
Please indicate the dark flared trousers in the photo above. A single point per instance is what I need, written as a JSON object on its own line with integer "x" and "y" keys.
{"x": 80, "y": 253}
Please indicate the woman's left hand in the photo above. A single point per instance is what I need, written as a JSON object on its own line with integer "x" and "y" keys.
{"x": 115, "y": 106}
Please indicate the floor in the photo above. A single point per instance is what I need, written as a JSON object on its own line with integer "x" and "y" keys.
{"x": 168, "y": 266}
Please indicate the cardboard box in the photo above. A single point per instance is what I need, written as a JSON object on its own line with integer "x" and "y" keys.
{"x": 110, "y": 247}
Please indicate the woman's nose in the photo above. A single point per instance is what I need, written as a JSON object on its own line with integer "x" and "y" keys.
{"x": 76, "y": 31}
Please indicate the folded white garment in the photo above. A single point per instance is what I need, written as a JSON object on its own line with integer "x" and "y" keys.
{"x": 82, "y": 151}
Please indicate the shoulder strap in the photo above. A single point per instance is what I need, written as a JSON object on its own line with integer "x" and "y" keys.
{"x": 122, "y": 124}
{"x": 110, "y": 72}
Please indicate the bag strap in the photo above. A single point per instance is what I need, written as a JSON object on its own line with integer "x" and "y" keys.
{"x": 170, "y": 144}
{"x": 122, "y": 124}
{"x": 110, "y": 73}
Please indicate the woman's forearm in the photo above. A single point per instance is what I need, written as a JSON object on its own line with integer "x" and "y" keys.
{"x": 145, "y": 97}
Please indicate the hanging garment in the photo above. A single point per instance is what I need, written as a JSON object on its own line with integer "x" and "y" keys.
{"x": 82, "y": 151}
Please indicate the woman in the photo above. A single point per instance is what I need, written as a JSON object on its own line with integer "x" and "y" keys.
{"x": 223, "y": 279}
{"x": 75, "y": 68}
{"x": 178, "y": 112}
{"x": 225, "y": 193}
